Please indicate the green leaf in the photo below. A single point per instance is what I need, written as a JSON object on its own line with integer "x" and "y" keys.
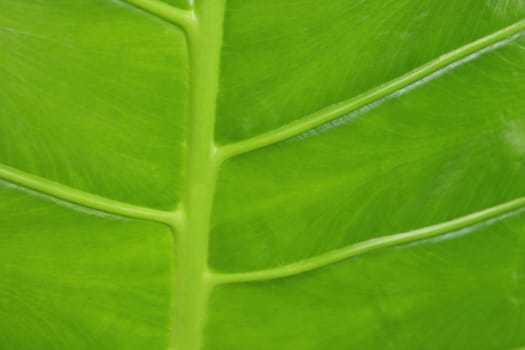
{"x": 249, "y": 174}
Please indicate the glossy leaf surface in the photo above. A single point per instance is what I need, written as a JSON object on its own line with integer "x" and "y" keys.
{"x": 250, "y": 174}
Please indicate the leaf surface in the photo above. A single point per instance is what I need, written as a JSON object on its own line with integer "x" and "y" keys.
{"x": 249, "y": 174}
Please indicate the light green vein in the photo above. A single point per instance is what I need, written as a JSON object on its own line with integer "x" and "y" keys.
{"x": 192, "y": 288}
{"x": 88, "y": 200}
{"x": 180, "y": 17}
{"x": 368, "y": 246}
{"x": 340, "y": 109}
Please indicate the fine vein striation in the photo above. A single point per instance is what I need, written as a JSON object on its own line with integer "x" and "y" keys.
{"x": 374, "y": 244}
{"x": 338, "y": 110}
{"x": 85, "y": 199}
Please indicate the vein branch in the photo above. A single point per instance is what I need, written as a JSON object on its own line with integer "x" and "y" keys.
{"x": 340, "y": 109}
{"x": 371, "y": 245}
{"x": 88, "y": 200}
{"x": 185, "y": 19}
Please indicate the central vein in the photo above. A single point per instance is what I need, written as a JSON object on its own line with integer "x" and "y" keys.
{"x": 192, "y": 285}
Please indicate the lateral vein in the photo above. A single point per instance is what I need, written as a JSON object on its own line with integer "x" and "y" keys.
{"x": 185, "y": 19}
{"x": 88, "y": 200}
{"x": 374, "y": 244}
{"x": 340, "y": 109}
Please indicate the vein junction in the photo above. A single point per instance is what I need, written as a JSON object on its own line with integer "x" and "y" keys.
{"x": 325, "y": 115}
{"x": 182, "y": 18}
{"x": 371, "y": 245}
{"x": 85, "y": 199}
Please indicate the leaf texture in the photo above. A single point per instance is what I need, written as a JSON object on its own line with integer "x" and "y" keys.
{"x": 254, "y": 174}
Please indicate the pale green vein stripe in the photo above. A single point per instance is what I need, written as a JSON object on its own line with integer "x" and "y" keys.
{"x": 335, "y": 111}
{"x": 183, "y": 18}
{"x": 367, "y": 246}
{"x": 88, "y": 200}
